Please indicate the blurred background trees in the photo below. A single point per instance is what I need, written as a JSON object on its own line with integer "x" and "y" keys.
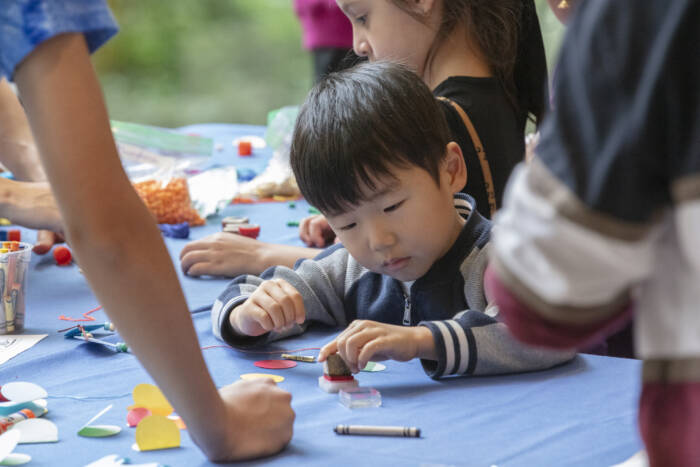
{"x": 178, "y": 62}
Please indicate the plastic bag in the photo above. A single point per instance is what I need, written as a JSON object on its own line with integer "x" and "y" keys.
{"x": 145, "y": 151}
{"x": 169, "y": 201}
{"x": 277, "y": 179}
{"x": 157, "y": 161}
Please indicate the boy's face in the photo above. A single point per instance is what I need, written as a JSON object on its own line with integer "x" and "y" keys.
{"x": 383, "y": 31}
{"x": 406, "y": 224}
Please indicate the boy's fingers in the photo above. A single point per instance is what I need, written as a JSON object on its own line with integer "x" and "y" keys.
{"x": 271, "y": 308}
{"x": 262, "y": 318}
{"x": 328, "y": 349}
{"x": 283, "y": 293}
{"x": 297, "y": 301}
{"x": 357, "y": 342}
{"x": 368, "y": 351}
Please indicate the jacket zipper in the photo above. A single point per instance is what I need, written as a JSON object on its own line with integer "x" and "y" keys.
{"x": 406, "y": 310}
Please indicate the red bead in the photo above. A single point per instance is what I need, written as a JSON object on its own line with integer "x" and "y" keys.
{"x": 251, "y": 231}
{"x": 245, "y": 148}
{"x": 62, "y": 255}
{"x": 14, "y": 236}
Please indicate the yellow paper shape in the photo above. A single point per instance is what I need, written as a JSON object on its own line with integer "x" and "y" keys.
{"x": 149, "y": 396}
{"x": 275, "y": 378}
{"x": 157, "y": 432}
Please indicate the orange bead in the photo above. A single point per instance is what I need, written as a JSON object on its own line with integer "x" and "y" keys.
{"x": 245, "y": 148}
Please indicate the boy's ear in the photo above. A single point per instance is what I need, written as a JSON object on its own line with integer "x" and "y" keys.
{"x": 455, "y": 168}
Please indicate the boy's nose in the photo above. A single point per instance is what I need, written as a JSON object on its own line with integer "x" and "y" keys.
{"x": 381, "y": 239}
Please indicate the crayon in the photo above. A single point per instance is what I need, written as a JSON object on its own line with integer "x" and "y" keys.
{"x": 404, "y": 431}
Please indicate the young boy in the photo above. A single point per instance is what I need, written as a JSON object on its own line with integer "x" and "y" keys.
{"x": 371, "y": 150}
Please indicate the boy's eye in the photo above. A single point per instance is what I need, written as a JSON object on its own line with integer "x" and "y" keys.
{"x": 361, "y": 19}
{"x": 348, "y": 226}
{"x": 394, "y": 207}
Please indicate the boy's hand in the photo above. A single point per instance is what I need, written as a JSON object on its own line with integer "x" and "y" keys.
{"x": 274, "y": 306}
{"x": 261, "y": 419}
{"x": 315, "y": 231}
{"x": 365, "y": 340}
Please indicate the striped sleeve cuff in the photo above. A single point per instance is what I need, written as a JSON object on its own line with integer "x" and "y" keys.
{"x": 532, "y": 328}
{"x": 221, "y": 326}
{"x": 455, "y": 348}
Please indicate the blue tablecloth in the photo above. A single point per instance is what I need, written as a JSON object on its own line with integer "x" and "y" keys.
{"x": 580, "y": 414}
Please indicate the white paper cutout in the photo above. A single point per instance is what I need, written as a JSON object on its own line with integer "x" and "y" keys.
{"x": 36, "y": 430}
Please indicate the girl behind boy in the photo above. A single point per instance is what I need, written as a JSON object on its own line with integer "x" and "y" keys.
{"x": 485, "y": 56}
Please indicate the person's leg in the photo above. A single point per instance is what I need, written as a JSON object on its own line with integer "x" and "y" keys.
{"x": 669, "y": 411}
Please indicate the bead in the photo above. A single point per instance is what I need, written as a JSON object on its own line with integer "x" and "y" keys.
{"x": 245, "y": 148}
{"x": 62, "y": 255}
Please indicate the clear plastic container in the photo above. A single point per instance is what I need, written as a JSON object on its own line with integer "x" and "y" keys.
{"x": 13, "y": 284}
{"x": 354, "y": 398}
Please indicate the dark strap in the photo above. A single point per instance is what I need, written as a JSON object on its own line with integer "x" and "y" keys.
{"x": 481, "y": 154}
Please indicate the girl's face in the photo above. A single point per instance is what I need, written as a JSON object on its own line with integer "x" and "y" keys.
{"x": 383, "y": 31}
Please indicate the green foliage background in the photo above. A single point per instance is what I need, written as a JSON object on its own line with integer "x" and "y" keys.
{"x": 178, "y": 62}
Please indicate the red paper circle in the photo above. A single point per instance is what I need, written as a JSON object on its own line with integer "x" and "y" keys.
{"x": 275, "y": 364}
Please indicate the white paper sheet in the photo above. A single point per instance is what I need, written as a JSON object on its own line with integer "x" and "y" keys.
{"x": 12, "y": 345}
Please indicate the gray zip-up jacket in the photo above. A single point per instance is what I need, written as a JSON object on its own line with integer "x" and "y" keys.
{"x": 449, "y": 299}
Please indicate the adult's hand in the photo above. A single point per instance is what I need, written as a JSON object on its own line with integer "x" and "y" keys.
{"x": 228, "y": 254}
{"x": 45, "y": 240}
{"x": 222, "y": 254}
{"x": 260, "y": 420}
{"x": 30, "y": 204}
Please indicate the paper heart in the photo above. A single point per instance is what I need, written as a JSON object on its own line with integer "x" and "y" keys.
{"x": 18, "y": 391}
{"x": 157, "y": 432}
{"x": 8, "y": 441}
{"x": 36, "y": 430}
{"x": 150, "y": 397}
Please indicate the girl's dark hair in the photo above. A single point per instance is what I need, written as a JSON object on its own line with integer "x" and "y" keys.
{"x": 359, "y": 125}
{"x": 508, "y": 34}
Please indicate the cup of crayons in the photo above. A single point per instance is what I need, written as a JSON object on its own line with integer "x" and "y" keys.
{"x": 14, "y": 263}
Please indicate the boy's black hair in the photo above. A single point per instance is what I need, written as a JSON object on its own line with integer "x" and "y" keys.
{"x": 357, "y": 125}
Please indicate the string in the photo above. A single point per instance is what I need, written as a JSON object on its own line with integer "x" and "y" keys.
{"x": 87, "y": 398}
{"x": 260, "y": 351}
{"x": 86, "y": 316}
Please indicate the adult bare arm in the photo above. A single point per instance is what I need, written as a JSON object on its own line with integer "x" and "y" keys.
{"x": 228, "y": 254}
{"x": 17, "y": 149}
{"x": 28, "y": 205}
{"x": 129, "y": 268}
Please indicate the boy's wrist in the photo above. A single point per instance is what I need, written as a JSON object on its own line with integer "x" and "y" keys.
{"x": 425, "y": 343}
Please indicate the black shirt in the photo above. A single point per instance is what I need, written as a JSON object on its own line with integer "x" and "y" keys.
{"x": 498, "y": 125}
{"x": 625, "y": 130}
